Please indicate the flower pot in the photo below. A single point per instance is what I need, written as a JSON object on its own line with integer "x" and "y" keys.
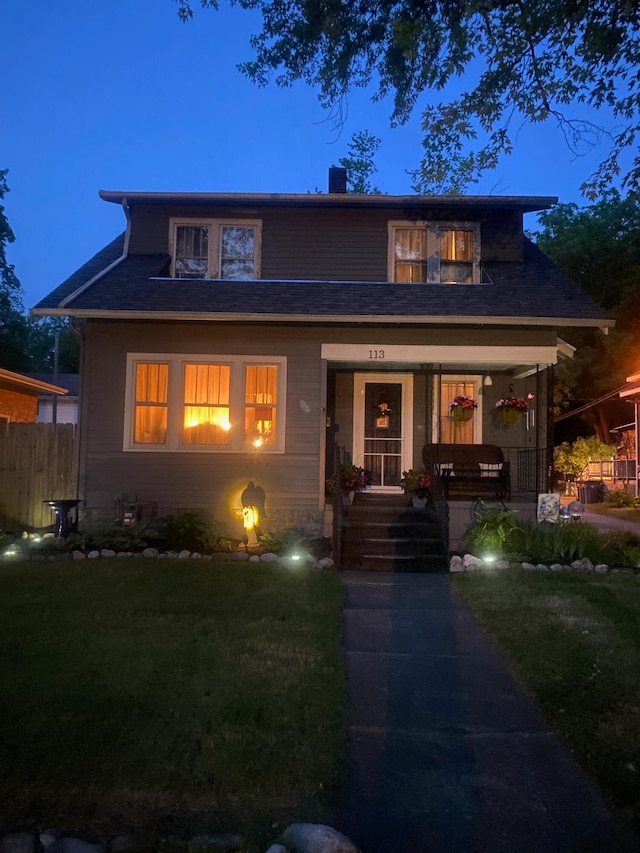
{"x": 418, "y": 502}
{"x": 509, "y": 416}
{"x": 462, "y": 415}
{"x": 347, "y": 498}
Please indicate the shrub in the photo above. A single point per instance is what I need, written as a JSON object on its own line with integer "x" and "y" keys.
{"x": 192, "y": 532}
{"x": 492, "y": 533}
{"x": 621, "y": 498}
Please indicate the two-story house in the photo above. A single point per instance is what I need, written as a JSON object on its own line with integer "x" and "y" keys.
{"x": 234, "y": 338}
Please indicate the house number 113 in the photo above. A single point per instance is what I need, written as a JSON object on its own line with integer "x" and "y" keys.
{"x": 376, "y": 354}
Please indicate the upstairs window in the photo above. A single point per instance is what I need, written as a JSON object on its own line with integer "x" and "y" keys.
{"x": 434, "y": 252}
{"x": 216, "y": 249}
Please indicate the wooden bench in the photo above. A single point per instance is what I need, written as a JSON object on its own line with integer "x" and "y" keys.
{"x": 469, "y": 470}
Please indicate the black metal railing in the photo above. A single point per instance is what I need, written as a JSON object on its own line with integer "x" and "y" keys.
{"x": 440, "y": 504}
{"x": 337, "y": 510}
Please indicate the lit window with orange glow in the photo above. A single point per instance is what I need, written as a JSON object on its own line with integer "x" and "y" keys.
{"x": 151, "y": 403}
{"x": 261, "y": 401}
{"x": 206, "y": 404}
{"x": 456, "y": 256}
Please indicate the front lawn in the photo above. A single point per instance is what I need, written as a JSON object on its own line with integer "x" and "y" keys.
{"x": 178, "y": 696}
{"x": 574, "y": 640}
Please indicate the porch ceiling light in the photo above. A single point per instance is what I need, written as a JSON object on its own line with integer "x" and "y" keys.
{"x": 487, "y": 380}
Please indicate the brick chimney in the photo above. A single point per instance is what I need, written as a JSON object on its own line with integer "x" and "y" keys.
{"x": 337, "y": 179}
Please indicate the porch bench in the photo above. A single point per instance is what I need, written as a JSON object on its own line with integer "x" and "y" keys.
{"x": 469, "y": 470}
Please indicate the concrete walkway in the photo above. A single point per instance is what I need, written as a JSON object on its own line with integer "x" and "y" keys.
{"x": 444, "y": 752}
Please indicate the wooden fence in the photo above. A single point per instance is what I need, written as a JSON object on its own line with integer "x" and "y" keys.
{"x": 37, "y": 463}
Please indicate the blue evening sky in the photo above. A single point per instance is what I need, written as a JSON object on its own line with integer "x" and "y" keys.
{"x": 120, "y": 95}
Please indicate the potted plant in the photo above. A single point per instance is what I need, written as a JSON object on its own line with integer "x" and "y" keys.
{"x": 510, "y": 409}
{"x": 348, "y": 479}
{"x": 416, "y": 483}
{"x": 462, "y": 408}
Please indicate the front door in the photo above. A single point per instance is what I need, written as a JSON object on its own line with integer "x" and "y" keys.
{"x": 383, "y": 427}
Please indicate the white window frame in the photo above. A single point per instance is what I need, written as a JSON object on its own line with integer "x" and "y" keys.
{"x": 433, "y": 229}
{"x": 215, "y": 244}
{"x": 458, "y": 378}
{"x": 175, "y": 404}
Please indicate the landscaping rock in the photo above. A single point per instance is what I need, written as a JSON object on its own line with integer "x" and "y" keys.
{"x": 325, "y": 563}
{"x": 528, "y": 567}
{"x": 556, "y": 567}
{"x": 150, "y": 552}
{"x": 226, "y": 843}
{"x": 241, "y": 556}
{"x": 601, "y": 568}
{"x": 269, "y": 558}
{"x": 277, "y": 848}
{"x": 254, "y": 558}
{"x": 542, "y": 567}
{"x": 502, "y": 564}
{"x": 196, "y": 556}
{"x": 20, "y": 842}
{"x": 316, "y": 838}
{"x": 184, "y": 554}
{"x": 47, "y": 837}
{"x": 107, "y": 552}
{"x": 78, "y": 555}
{"x": 74, "y": 845}
{"x": 93, "y": 555}
{"x": 456, "y": 564}
{"x": 471, "y": 563}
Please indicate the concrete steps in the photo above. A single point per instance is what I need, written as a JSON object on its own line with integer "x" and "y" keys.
{"x": 381, "y": 533}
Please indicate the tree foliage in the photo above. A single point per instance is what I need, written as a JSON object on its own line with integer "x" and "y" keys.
{"x": 360, "y": 162}
{"x": 598, "y": 246}
{"x": 527, "y": 61}
{"x": 572, "y": 459}
{"x": 24, "y": 344}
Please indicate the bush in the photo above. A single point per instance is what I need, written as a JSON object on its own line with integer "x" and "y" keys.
{"x": 499, "y": 534}
{"x": 621, "y": 498}
{"x": 192, "y": 532}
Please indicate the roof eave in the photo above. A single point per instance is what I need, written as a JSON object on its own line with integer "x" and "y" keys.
{"x": 374, "y": 319}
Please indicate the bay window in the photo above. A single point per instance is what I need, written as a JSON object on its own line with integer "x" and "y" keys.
{"x": 204, "y": 403}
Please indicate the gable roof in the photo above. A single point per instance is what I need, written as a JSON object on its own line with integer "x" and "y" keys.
{"x": 533, "y": 291}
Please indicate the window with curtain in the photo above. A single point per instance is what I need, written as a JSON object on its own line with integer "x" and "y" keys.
{"x": 410, "y": 254}
{"x": 456, "y": 432}
{"x": 151, "y": 403}
{"x": 456, "y": 256}
{"x": 261, "y": 399}
{"x": 204, "y": 403}
{"x": 215, "y": 249}
{"x": 434, "y": 252}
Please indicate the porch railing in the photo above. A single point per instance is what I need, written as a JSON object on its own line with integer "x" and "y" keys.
{"x": 440, "y": 504}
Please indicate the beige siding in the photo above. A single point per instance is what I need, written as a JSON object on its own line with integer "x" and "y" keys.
{"x": 212, "y": 482}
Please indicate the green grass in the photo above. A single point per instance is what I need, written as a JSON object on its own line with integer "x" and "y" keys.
{"x": 574, "y": 641}
{"x": 626, "y": 513}
{"x": 176, "y": 697}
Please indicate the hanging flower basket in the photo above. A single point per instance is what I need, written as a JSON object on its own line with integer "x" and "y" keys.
{"x": 511, "y": 409}
{"x": 462, "y": 415}
{"x": 462, "y": 408}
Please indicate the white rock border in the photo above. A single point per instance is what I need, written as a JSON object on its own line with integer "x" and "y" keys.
{"x": 470, "y": 563}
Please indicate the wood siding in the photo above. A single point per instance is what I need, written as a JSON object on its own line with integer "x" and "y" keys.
{"x": 212, "y": 482}
{"x": 327, "y": 245}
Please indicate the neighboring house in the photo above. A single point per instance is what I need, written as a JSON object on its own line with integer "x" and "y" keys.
{"x": 19, "y": 396}
{"x": 239, "y": 338}
{"x": 54, "y": 409}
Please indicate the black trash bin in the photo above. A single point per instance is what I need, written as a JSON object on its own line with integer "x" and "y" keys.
{"x": 591, "y": 492}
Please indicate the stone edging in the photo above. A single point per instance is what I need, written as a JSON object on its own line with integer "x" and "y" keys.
{"x": 296, "y": 838}
{"x": 469, "y": 563}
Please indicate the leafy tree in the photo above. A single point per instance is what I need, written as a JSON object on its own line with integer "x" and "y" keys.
{"x": 523, "y": 62}
{"x": 360, "y": 162}
{"x": 598, "y": 246}
{"x": 25, "y": 345}
{"x": 572, "y": 459}
{"x": 14, "y": 327}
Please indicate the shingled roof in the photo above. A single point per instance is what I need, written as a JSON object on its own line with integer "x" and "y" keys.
{"x": 137, "y": 286}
